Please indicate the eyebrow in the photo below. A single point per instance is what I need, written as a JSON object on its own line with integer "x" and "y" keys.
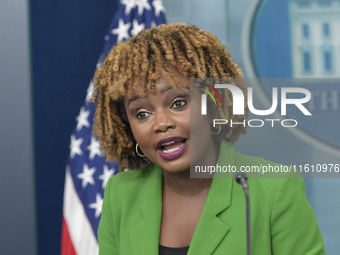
{"x": 166, "y": 89}
{"x": 138, "y": 97}
{"x": 133, "y": 99}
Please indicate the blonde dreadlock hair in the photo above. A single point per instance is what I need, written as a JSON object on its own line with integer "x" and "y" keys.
{"x": 135, "y": 65}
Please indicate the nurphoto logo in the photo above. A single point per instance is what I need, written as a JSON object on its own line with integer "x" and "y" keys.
{"x": 294, "y": 96}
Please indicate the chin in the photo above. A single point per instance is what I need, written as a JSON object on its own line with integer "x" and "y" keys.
{"x": 180, "y": 165}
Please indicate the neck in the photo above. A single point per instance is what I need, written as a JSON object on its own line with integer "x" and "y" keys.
{"x": 182, "y": 185}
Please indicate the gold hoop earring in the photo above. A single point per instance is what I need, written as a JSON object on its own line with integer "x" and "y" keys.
{"x": 138, "y": 153}
{"x": 217, "y": 132}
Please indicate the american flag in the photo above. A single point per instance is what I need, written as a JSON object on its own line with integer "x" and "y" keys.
{"x": 87, "y": 172}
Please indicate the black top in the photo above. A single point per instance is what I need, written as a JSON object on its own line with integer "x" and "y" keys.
{"x": 163, "y": 250}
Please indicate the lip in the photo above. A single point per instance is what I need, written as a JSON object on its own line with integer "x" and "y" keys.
{"x": 174, "y": 154}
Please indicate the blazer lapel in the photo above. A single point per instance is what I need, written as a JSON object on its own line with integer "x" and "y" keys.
{"x": 211, "y": 229}
{"x": 145, "y": 235}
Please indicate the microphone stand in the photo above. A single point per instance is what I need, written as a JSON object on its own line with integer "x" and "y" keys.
{"x": 241, "y": 178}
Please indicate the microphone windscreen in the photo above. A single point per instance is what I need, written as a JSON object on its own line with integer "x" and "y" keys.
{"x": 239, "y": 176}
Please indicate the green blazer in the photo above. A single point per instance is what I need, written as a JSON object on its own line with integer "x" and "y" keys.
{"x": 282, "y": 221}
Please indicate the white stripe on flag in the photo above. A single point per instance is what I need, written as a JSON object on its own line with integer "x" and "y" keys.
{"x": 79, "y": 227}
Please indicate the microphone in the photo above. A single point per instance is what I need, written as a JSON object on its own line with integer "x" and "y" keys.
{"x": 242, "y": 179}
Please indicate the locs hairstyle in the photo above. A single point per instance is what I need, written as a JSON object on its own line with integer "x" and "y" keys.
{"x": 135, "y": 65}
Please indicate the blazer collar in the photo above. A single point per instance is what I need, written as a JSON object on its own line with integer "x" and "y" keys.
{"x": 210, "y": 229}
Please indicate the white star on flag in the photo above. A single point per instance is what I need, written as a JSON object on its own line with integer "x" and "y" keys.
{"x": 136, "y": 28}
{"x": 82, "y": 119}
{"x": 75, "y": 146}
{"x": 122, "y": 30}
{"x": 153, "y": 24}
{"x": 157, "y": 4}
{"x": 142, "y": 4}
{"x": 106, "y": 175}
{"x": 94, "y": 148}
{"x": 129, "y": 5}
{"x": 99, "y": 64}
{"x": 90, "y": 91}
{"x": 87, "y": 175}
{"x": 97, "y": 205}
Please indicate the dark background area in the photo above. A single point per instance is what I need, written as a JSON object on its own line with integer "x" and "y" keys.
{"x": 67, "y": 38}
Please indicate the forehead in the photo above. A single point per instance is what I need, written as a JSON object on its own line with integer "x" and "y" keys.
{"x": 161, "y": 85}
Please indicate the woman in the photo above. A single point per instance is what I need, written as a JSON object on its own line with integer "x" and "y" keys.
{"x": 143, "y": 115}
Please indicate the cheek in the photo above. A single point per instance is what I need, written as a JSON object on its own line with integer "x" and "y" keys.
{"x": 140, "y": 132}
{"x": 136, "y": 130}
{"x": 135, "y": 127}
{"x": 182, "y": 119}
{"x": 200, "y": 132}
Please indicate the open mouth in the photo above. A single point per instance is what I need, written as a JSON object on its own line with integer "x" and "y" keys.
{"x": 172, "y": 147}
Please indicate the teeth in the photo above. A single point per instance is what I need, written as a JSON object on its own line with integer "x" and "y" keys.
{"x": 173, "y": 149}
{"x": 168, "y": 143}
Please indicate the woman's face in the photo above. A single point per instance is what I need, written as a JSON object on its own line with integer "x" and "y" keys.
{"x": 160, "y": 124}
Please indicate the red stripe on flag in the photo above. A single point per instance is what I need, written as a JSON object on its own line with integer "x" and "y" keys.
{"x": 66, "y": 242}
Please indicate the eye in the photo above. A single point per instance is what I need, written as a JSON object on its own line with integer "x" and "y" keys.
{"x": 178, "y": 104}
{"x": 142, "y": 115}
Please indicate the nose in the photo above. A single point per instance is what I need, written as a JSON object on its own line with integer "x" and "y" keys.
{"x": 163, "y": 121}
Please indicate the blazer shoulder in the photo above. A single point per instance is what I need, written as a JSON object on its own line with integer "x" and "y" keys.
{"x": 251, "y": 160}
{"x": 132, "y": 178}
